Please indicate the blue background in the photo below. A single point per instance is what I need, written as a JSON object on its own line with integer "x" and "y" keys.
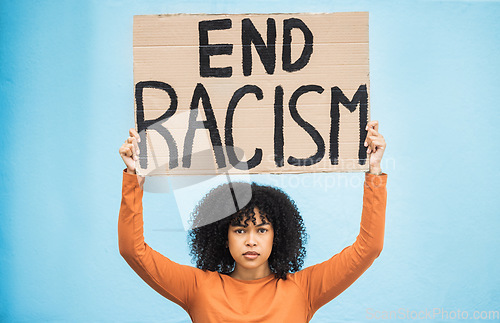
{"x": 66, "y": 92}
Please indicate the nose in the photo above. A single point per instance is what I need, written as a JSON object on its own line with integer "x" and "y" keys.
{"x": 251, "y": 242}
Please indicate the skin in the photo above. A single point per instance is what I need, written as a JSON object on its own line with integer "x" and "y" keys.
{"x": 258, "y": 237}
{"x": 375, "y": 144}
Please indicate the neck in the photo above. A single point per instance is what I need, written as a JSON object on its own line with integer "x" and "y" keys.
{"x": 251, "y": 274}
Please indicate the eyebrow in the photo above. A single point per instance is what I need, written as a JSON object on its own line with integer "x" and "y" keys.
{"x": 258, "y": 225}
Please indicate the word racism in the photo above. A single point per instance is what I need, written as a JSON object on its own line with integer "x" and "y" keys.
{"x": 251, "y": 38}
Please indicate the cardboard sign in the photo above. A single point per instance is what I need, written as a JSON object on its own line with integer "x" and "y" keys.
{"x": 254, "y": 93}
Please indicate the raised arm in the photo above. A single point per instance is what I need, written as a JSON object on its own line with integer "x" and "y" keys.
{"x": 173, "y": 281}
{"x": 325, "y": 281}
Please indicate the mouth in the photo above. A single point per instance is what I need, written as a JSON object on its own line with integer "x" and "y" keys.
{"x": 250, "y": 255}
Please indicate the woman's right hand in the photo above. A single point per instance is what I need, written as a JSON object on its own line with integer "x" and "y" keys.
{"x": 129, "y": 151}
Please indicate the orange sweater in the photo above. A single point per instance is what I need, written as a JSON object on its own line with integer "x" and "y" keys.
{"x": 213, "y": 297}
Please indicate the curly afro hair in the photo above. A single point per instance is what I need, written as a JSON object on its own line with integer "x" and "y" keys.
{"x": 209, "y": 236}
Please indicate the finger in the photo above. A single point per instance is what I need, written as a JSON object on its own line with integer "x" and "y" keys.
{"x": 373, "y": 125}
{"x": 136, "y": 147}
{"x": 133, "y": 149}
{"x": 368, "y": 140}
{"x": 377, "y": 145}
{"x": 373, "y": 137}
{"x": 133, "y": 133}
{"x": 129, "y": 150}
{"x": 133, "y": 141}
{"x": 368, "y": 137}
{"x": 368, "y": 144}
{"x": 378, "y": 139}
{"x": 372, "y": 132}
{"x": 374, "y": 143}
{"x": 125, "y": 151}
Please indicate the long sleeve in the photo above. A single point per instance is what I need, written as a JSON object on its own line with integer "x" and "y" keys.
{"x": 325, "y": 281}
{"x": 174, "y": 281}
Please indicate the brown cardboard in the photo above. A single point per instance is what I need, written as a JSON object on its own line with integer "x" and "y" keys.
{"x": 167, "y": 49}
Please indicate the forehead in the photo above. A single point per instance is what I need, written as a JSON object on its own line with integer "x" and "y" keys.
{"x": 250, "y": 217}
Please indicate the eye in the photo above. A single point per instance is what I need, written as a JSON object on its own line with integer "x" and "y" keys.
{"x": 262, "y": 230}
{"x": 239, "y": 231}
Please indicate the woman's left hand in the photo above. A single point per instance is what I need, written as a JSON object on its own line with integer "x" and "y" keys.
{"x": 375, "y": 144}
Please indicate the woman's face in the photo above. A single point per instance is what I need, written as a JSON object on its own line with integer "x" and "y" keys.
{"x": 251, "y": 246}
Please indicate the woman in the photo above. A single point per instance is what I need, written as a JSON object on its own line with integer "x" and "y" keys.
{"x": 249, "y": 263}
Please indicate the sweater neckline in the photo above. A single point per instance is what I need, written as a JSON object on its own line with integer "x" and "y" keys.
{"x": 254, "y": 281}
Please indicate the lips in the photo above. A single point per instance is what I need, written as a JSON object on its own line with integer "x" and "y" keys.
{"x": 250, "y": 255}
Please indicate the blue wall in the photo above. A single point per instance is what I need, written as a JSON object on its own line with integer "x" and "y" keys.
{"x": 67, "y": 103}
